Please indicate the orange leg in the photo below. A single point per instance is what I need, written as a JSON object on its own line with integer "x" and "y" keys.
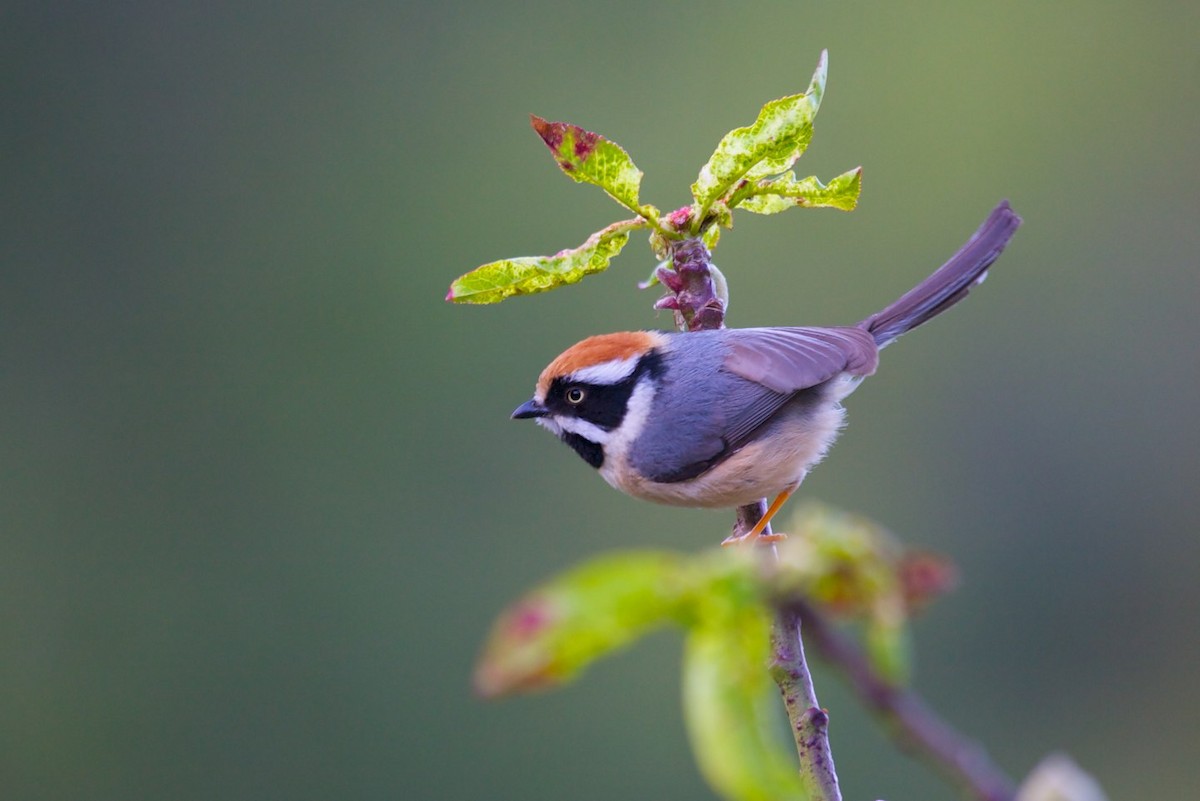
{"x": 756, "y": 534}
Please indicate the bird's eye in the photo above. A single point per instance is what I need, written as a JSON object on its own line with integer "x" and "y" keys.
{"x": 575, "y": 396}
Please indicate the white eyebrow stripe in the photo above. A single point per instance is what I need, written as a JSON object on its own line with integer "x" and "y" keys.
{"x": 611, "y": 372}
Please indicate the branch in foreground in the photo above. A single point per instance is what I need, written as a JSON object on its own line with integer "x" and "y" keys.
{"x": 789, "y": 669}
{"x": 962, "y": 760}
{"x": 810, "y": 723}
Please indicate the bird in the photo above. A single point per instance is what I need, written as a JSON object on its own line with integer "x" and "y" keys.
{"x": 727, "y": 417}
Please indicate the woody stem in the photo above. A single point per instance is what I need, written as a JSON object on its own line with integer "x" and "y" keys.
{"x": 789, "y": 669}
{"x": 916, "y": 726}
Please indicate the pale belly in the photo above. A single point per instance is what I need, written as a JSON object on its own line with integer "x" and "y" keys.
{"x": 777, "y": 460}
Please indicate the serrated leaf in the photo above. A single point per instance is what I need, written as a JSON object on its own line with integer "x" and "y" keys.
{"x": 729, "y": 710}
{"x": 527, "y": 275}
{"x": 590, "y": 158}
{"x": 557, "y": 630}
{"x": 771, "y": 145}
{"x": 785, "y": 192}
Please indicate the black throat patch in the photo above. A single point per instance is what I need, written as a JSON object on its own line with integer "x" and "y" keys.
{"x": 603, "y": 405}
{"x": 591, "y": 452}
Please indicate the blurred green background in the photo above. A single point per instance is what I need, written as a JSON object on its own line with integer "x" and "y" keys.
{"x": 261, "y": 497}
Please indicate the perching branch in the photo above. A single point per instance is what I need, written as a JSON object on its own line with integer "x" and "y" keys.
{"x": 789, "y": 670}
{"x": 960, "y": 759}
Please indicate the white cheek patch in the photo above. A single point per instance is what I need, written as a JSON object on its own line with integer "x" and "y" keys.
{"x": 610, "y": 372}
{"x": 636, "y": 412}
{"x": 589, "y": 431}
{"x": 616, "y": 450}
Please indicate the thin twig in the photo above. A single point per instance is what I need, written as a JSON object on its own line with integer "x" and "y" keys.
{"x": 789, "y": 669}
{"x": 959, "y": 758}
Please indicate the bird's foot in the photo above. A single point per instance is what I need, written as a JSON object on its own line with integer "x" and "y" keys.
{"x": 749, "y": 538}
{"x": 756, "y": 533}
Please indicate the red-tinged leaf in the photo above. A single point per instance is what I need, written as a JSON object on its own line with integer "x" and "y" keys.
{"x": 557, "y": 630}
{"x": 590, "y": 158}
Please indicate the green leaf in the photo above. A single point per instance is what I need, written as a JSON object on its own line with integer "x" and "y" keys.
{"x": 528, "y": 275}
{"x": 590, "y": 158}
{"x": 730, "y": 709}
{"x": 889, "y": 648}
{"x": 652, "y": 279}
{"x": 555, "y": 631}
{"x": 711, "y": 236}
{"x": 718, "y": 217}
{"x": 771, "y": 145}
{"x": 785, "y": 192}
{"x": 854, "y": 569}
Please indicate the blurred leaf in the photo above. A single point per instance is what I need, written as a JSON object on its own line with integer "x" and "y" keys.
{"x": 844, "y": 562}
{"x": 925, "y": 576}
{"x": 889, "y": 648}
{"x": 857, "y": 570}
{"x": 555, "y": 631}
{"x": 770, "y": 146}
{"x": 590, "y": 158}
{"x": 527, "y": 275}
{"x": 729, "y": 705}
{"x": 785, "y": 192}
{"x": 1058, "y": 778}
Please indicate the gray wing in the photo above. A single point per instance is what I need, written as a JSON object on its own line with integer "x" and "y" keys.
{"x": 691, "y": 437}
{"x": 761, "y": 370}
{"x": 791, "y": 359}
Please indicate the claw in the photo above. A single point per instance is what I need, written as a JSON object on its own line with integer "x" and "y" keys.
{"x": 739, "y": 539}
{"x": 756, "y": 534}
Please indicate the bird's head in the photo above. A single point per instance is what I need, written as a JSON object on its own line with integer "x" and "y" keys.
{"x": 597, "y": 392}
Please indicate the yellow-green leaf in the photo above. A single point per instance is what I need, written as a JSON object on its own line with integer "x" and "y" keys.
{"x": 590, "y": 158}
{"x": 728, "y": 702}
{"x": 711, "y": 236}
{"x": 555, "y": 631}
{"x": 785, "y": 192}
{"x": 889, "y": 647}
{"x": 771, "y": 145}
{"x": 527, "y": 275}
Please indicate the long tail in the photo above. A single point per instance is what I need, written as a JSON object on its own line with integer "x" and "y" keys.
{"x": 950, "y": 283}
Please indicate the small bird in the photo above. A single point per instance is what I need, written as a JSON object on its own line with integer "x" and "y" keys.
{"x": 727, "y": 417}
